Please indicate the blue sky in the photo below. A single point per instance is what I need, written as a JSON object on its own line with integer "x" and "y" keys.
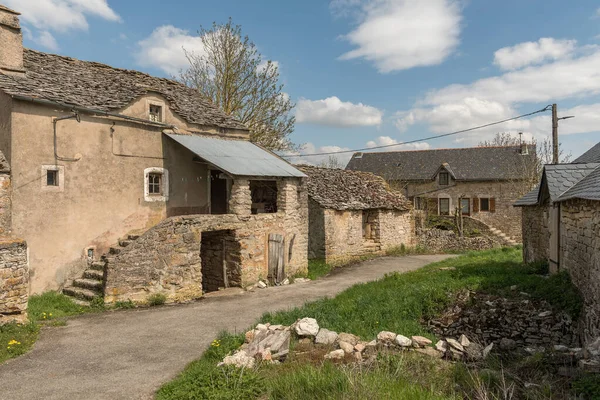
{"x": 368, "y": 72}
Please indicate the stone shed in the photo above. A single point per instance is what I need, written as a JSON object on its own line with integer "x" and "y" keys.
{"x": 352, "y": 213}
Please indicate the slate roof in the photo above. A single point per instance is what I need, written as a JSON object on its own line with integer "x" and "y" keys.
{"x": 340, "y": 189}
{"x": 590, "y": 156}
{"x": 104, "y": 88}
{"x": 529, "y": 199}
{"x": 588, "y": 188}
{"x": 467, "y": 164}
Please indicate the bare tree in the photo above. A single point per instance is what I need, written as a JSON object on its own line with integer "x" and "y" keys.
{"x": 231, "y": 73}
{"x": 332, "y": 162}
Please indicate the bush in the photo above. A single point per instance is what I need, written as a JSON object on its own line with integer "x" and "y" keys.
{"x": 157, "y": 299}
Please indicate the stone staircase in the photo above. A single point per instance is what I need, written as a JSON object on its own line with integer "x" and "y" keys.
{"x": 503, "y": 236}
{"x": 93, "y": 280}
{"x": 371, "y": 246}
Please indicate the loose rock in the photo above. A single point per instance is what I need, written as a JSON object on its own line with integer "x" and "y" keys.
{"x": 261, "y": 285}
{"x": 348, "y": 338}
{"x": 403, "y": 341}
{"x": 326, "y": 336}
{"x": 335, "y": 355}
{"x": 240, "y": 359}
{"x": 420, "y": 341}
{"x": 441, "y": 346}
{"x": 307, "y": 327}
{"x": 347, "y": 347}
{"x": 455, "y": 344}
{"x": 464, "y": 341}
{"x": 487, "y": 350}
{"x": 386, "y": 337}
{"x": 507, "y": 344}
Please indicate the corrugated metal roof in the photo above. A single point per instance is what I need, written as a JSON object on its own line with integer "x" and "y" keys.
{"x": 237, "y": 157}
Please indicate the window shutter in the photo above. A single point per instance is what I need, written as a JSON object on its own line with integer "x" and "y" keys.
{"x": 475, "y": 204}
{"x": 492, "y": 205}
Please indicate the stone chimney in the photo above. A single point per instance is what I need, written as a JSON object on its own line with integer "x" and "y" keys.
{"x": 11, "y": 50}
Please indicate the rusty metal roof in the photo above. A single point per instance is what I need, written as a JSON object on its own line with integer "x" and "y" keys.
{"x": 237, "y": 157}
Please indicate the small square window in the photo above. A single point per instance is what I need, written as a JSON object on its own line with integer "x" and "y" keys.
{"x": 155, "y": 184}
{"x": 52, "y": 177}
{"x": 484, "y": 204}
{"x": 444, "y": 178}
{"x": 155, "y": 113}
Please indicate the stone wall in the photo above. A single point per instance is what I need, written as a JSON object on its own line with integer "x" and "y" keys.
{"x": 167, "y": 258}
{"x": 14, "y": 280}
{"x": 580, "y": 255}
{"x": 536, "y": 235}
{"x": 505, "y": 217}
{"x": 343, "y": 235}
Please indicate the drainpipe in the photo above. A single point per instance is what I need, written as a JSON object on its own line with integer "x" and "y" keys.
{"x": 54, "y": 122}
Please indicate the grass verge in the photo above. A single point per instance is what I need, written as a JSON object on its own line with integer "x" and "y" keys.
{"x": 398, "y": 303}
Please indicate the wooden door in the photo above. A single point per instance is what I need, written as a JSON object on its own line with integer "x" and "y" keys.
{"x": 276, "y": 268}
{"x": 554, "y": 259}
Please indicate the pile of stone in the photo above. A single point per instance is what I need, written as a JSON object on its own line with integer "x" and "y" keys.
{"x": 442, "y": 240}
{"x": 518, "y": 322}
{"x": 270, "y": 343}
{"x": 463, "y": 349}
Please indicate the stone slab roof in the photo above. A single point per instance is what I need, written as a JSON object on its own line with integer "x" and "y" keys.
{"x": 104, "y": 88}
{"x": 588, "y": 188}
{"x": 529, "y": 199}
{"x": 590, "y": 156}
{"x": 340, "y": 189}
{"x": 467, "y": 164}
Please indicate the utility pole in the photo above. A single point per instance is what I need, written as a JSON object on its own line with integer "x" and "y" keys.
{"x": 554, "y": 135}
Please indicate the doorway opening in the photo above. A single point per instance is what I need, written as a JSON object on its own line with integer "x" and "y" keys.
{"x": 220, "y": 260}
{"x": 219, "y": 195}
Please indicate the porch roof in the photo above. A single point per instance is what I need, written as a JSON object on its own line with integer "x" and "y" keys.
{"x": 237, "y": 157}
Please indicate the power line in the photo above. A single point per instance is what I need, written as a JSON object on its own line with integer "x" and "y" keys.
{"x": 548, "y": 107}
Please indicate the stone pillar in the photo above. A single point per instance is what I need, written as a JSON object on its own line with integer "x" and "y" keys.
{"x": 287, "y": 196}
{"x": 14, "y": 280}
{"x": 240, "y": 202}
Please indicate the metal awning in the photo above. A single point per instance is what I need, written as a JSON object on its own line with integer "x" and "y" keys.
{"x": 237, "y": 157}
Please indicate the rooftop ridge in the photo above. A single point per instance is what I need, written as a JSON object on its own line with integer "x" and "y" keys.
{"x": 442, "y": 149}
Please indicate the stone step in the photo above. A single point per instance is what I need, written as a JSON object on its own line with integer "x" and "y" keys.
{"x": 82, "y": 303}
{"x": 92, "y": 284}
{"x": 98, "y": 265}
{"x": 132, "y": 237}
{"x": 80, "y": 293}
{"x": 93, "y": 274}
{"x": 114, "y": 250}
{"x": 124, "y": 242}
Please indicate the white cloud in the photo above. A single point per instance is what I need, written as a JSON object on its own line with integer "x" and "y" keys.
{"x": 264, "y": 63}
{"x": 310, "y": 148}
{"x": 527, "y": 53}
{"x": 388, "y": 141}
{"x": 62, "y": 15}
{"x": 46, "y": 39}
{"x": 401, "y": 34}
{"x": 334, "y": 112}
{"x": 164, "y": 49}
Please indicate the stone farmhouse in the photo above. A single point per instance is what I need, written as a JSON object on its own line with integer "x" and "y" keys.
{"x": 124, "y": 184}
{"x": 481, "y": 182}
{"x": 561, "y": 226}
{"x": 352, "y": 213}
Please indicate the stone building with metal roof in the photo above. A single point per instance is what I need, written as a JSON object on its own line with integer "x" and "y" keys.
{"x": 352, "y": 213}
{"x": 561, "y": 226}
{"x": 108, "y": 163}
{"x": 480, "y": 182}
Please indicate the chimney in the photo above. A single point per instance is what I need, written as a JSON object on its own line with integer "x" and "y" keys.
{"x": 11, "y": 50}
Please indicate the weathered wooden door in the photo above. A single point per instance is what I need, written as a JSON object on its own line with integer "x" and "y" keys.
{"x": 554, "y": 247}
{"x": 276, "y": 258}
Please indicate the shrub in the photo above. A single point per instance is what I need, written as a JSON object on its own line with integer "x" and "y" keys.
{"x": 157, "y": 299}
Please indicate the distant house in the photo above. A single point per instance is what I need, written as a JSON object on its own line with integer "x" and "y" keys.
{"x": 482, "y": 182}
{"x": 124, "y": 184}
{"x": 561, "y": 226}
{"x": 353, "y": 213}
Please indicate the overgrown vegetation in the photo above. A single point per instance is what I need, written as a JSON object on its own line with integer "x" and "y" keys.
{"x": 157, "y": 299}
{"x": 398, "y": 303}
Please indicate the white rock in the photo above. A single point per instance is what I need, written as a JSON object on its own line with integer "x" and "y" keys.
{"x": 262, "y": 327}
{"x": 372, "y": 343}
{"x": 349, "y": 338}
{"x": 240, "y": 359}
{"x": 513, "y": 287}
{"x": 545, "y": 314}
{"x": 261, "y": 284}
{"x": 386, "y": 337}
{"x": 301, "y": 280}
{"x": 286, "y": 281}
{"x": 335, "y": 355}
{"x": 420, "y": 341}
{"x": 326, "y": 336}
{"x": 307, "y": 327}
{"x": 489, "y": 303}
{"x": 403, "y": 341}
{"x": 464, "y": 341}
{"x": 561, "y": 348}
{"x": 487, "y": 350}
{"x": 441, "y": 346}
{"x": 455, "y": 344}
{"x": 276, "y": 327}
{"x": 347, "y": 347}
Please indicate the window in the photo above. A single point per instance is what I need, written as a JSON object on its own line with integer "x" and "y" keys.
{"x": 155, "y": 113}
{"x": 444, "y": 178}
{"x": 484, "y": 204}
{"x": 444, "y": 206}
{"x": 52, "y": 177}
{"x": 155, "y": 183}
{"x": 264, "y": 196}
{"x": 419, "y": 203}
{"x": 465, "y": 206}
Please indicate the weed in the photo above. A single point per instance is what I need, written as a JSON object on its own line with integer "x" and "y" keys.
{"x": 51, "y": 305}
{"x": 17, "y": 339}
{"x": 157, "y": 299}
{"x": 125, "y": 305}
{"x": 588, "y": 386}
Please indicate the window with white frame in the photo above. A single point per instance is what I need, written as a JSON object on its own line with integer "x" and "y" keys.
{"x": 444, "y": 206}
{"x": 155, "y": 113}
{"x": 53, "y": 178}
{"x": 156, "y": 184}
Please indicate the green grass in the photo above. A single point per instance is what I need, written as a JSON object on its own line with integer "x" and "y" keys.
{"x": 157, "y": 299}
{"x": 25, "y": 335}
{"x": 318, "y": 268}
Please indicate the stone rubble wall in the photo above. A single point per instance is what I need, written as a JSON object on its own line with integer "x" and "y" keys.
{"x": 5, "y": 204}
{"x": 14, "y": 280}
{"x": 166, "y": 258}
{"x": 580, "y": 255}
{"x": 536, "y": 235}
{"x": 216, "y": 247}
{"x": 396, "y": 228}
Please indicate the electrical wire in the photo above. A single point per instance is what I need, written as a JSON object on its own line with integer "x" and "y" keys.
{"x": 548, "y": 107}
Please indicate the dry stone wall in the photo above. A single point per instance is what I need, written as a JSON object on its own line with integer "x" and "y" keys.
{"x": 14, "y": 280}
{"x": 396, "y": 228}
{"x": 580, "y": 246}
{"x": 167, "y": 258}
{"x": 536, "y": 236}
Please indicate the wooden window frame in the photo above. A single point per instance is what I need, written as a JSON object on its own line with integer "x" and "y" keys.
{"x": 155, "y": 184}
{"x": 446, "y": 180}
{"x": 440, "y": 205}
{"x": 157, "y": 114}
{"x": 491, "y": 204}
